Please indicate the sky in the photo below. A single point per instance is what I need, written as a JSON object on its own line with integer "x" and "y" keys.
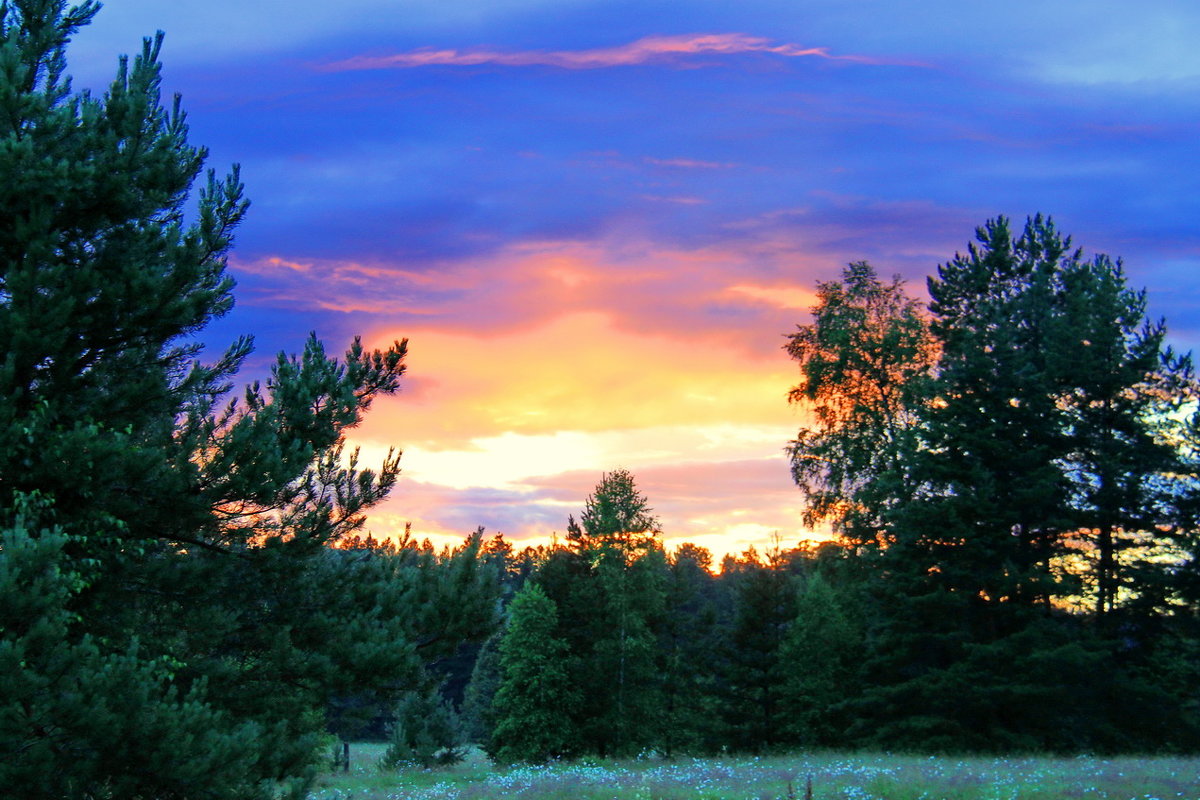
{"x": 596, "y": 221}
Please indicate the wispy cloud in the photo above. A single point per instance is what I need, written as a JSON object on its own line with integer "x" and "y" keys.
{"x": 647, "y": 50}
{"x": 689, "y": 163}
{"x": 782, "y": 296}
{"x": 681, "y": 200}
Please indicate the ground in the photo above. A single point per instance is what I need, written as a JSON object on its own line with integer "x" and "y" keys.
{"x": 833, "y": 776}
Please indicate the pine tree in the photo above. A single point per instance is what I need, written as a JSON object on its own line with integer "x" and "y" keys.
{"x": 193, "y": 595}
{"x": 534, "y": 703}
{"x": 77, "y": 715}
{"x": 995, "y": 434}
{"x": 1047, "y": 429}
{"x": 425, "y": 731}
{"x": 971, "y": 562}
{"x": 1124, "y": 395}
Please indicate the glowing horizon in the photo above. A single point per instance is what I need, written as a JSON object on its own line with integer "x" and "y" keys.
{"x": 595, "y": 225}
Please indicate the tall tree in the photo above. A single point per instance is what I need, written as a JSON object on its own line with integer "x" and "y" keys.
{"x": 609, "y": 585}
{"x": 1055, "y": 396}
{"x": 1045, "y": 429}
{"x": 192, "y": 598}
{"x": 620, "y": 537}
{"x": 865, "y": 360}
{"x": 1124, "y": 395}
{"x": 994, "y": 434}
{"x": 971, "y": 560}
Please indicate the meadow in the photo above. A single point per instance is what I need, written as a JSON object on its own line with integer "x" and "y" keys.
{"x": 833, "y": 777}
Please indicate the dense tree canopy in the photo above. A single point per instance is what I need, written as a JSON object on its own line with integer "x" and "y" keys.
{"x": 1043, "y": 473}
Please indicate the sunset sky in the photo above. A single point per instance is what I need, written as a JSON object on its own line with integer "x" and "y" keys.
{"x": 595, "y": 220}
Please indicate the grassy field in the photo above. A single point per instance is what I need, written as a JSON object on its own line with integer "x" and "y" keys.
{"x": 834, "y": 777}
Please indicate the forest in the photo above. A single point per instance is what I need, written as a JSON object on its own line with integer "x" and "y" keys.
{"x": 191, "y": 607}
{"x": 1010, "y": 479}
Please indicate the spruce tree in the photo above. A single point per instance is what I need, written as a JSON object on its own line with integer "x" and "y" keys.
{"x": 535, "y": 700}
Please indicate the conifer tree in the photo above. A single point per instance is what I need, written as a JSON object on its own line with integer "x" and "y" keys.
{"x": 618, "y": 537}
{"x": 478, "y": 709}
{"x": 995, "y": 434}
{"x": 616, "y": 518}
{"x": 78, "y": 717}
{"x": 1044, "y": 431}
{"x": 535, "y": 700}
{"x": 763, "y": 608}
{"x": 1055, "y": 395}
{"x": 689, "y": 643}
{"x": 1123, "y": 398}
{"x": 970, "y": 565}
{"x": 192, "y": 596}
{"x": 820, "y": 666}
{"x": 425, "y": 731}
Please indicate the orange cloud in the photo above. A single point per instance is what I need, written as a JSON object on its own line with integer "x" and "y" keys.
{"x": 781, "y": 296}
{"x": 640, "y": 285}
{"x": 577, "y": 372}
{"x": 537, "y": 366}
{"x": 650, "y": 49}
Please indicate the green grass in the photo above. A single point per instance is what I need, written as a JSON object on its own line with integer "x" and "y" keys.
{"x": 834, "y": 777}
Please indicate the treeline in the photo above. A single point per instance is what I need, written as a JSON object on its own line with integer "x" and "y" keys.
{"x": 614, "y": 647}
{"x": 1011, "y": 479}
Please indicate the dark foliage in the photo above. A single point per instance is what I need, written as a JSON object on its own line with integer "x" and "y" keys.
{"x": 174, "y": 616}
